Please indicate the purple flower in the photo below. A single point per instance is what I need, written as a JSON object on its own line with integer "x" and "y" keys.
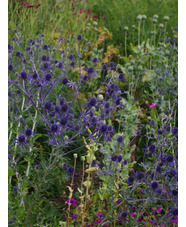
{"x": 92, "y": 102}
{"x": 23, "y": 75}
{"x": 71, "y": 201}
{"x": 154, "y": 185}
{"x": 140, "y": 175}
{"x": 28, "y": 132}
{"x": 152, "y": 148}
{"x": 90, "y": 70}
{"x": 65, "y": 80}
{"x": 45, "y": 47}
{"x": 79, "y": 37}
{"x": 120, "y": 139}
{"x": 74, "y": 216}
{"x": 95, "y": 60}
{"x": 121, "y": 77}
{"x": 118, "y": 201}
{"x": 10, "y": 67}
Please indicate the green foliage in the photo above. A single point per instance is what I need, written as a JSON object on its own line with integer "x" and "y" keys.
{"x": 120, "y": 13}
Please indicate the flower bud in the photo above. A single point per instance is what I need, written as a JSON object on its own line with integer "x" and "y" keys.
{"x": 140, "y": 68}
{"x": 66, "y": 138}
{"x": 100, "y": 97}
{"x": 132, "y": 62}
{"x": 130, "y": 68}
{"x": 144, "y": 17}
{"x": 75, "y": 155}
{"x": 95, "y": 23}
{"x": 139, "y": 17}
{"x": 126, "y": 28}
{"x": 161, "y": 26}
{"x": 155, "y": 17}
{"x": 152, "y": 32}
{"x": 83, "y": 158}
{"x": 166, "y": 18}
{"x": 93, "y": 109}
{"x": 154, "y": 21}
{"x": 133, "y": 26}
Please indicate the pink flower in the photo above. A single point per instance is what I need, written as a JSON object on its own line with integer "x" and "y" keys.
{"x": 103, "y": 17}
{"x": 99, "y": 214}
{"x": 141, "y": 191}
{"x": 153, "y": 210}
{"x": 81, "y": 10}
{"x": 133, "y": 214}
{"x": 89, "y": 11}
{"x": 29, "y": 6}
{"x": 74, "y": 216}
{"x": 159, "y": 209}
{"x": 95, "y": 16}
{"x": 71, "y": 201}
{"x": 139, "y": 219}
{"x": 38, "y": 5}
{"x": 118, "y": 201}
{"x": 152, "y": 105}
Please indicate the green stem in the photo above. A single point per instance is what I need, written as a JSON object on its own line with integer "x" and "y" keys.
{"x": 39, "y": 186}
{"x": 69, "y": 204}
{"x": 139, "y": 24}
{"x": 126, "y": 43}
{"x": 81, "y": 194}
{"x": 16, "y": 144}
{"x": 165, "y": 31}
{"x": 154, "y": 34}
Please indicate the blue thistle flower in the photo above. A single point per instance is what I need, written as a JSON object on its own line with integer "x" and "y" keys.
{"x": 48, "y": 105}
{"x": 175, "y": 131}
{"x": 104, "y": 67}
{"x": 131, "y": 180}
{"x": 170, "y": 158}
{"x": 34, "y": 76}
{"x": 64, "y": 107}
{"x": 45, "y": 65}
{"x": 45, "y": 47}
{"x": 60, "y": 65}
{"x": 79, "y": 37}
{"x": 123, "y": 215}
{"x": 28, "y": 132}
{"x": 15, "y": 189}
{"x": 64, "y": 121}
{"x": 152, "y": 148}
{"x": 54, "y": 128}
{"x": 111, "y": 64}
{"x": 92, "y": 102}
{"x": 48, "y": 77}
{"x": 120, "y": 139}
{"x": 119, "y": 158}
{"x": 23, "y": 75}
{"x": 114, "y": 158}
{"x": 118, "y": 100}
{"x": 65, "y": 80}
{"x": 90, "y": 70}
{"x": 71, "y": 57}
{"x": 43, "y": 58}
{"x": 154, "y": 185}
{"x": 140, "y": 175}
{"x": 95, "y": 60}
{"x": 18, "y": 54}
{"x": 10, "y": 67}
{"x": 72, "y": 64}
